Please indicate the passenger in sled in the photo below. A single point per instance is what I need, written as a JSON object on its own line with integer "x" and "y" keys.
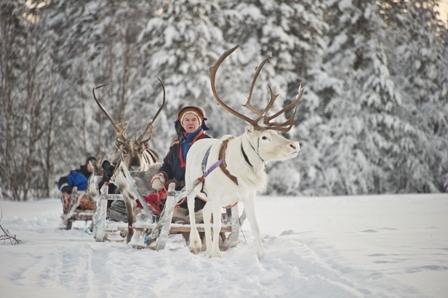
{"x": 78, "y": 178}
{"x": 190, "y": 126}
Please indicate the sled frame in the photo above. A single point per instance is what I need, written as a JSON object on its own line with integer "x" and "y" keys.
{"x": 75, "y": 214}
{"x": 156, "y": 235}
{"x": 153, "y": 232}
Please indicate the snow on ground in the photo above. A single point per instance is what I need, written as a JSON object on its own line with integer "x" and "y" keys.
{"x": 364, "y": 246}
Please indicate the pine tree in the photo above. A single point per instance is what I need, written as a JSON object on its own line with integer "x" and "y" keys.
{"x": 415, "y": 35}
{"x": 341, "y": 166}
{"x": 180, "y": 42}
{"x": 289, "y": 33}
{"x": 12, "y": 35}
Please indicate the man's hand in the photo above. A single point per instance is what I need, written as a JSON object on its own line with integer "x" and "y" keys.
{"x": 158, "y": 182}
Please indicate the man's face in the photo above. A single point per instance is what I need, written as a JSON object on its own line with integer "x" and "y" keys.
{"x": 190, "y": 122}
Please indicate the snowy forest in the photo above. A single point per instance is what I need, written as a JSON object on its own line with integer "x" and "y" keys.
{"x": 373, "y": 118}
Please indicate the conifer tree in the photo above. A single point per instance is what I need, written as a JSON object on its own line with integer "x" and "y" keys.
{"x": 416, "y": 45}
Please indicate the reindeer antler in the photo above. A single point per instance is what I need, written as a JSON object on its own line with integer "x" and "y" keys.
{"x": 261, "y": 114}
{"x": 118, "y": 128}
{"x": 213, "y": 71}
{"x": 149, "y": 127}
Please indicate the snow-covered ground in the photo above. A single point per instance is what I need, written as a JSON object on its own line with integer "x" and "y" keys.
{"x": 365, "y": 246}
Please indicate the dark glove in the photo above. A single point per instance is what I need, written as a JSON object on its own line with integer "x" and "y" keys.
{"x": 108, "y": 170}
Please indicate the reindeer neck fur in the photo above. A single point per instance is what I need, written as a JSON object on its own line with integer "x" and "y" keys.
{"x": 253, "y": 174}
{"x": 147, "y": 159}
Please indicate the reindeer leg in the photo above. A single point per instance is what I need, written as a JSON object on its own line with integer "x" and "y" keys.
{"x": 195, "y": 240}
{"x": 130, "y": 218}
{"x": 206, "y": 212}
{"x": 249, "y": 207}
{"x": 216, "y": 231}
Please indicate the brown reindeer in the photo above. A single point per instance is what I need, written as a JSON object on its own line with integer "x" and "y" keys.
{"x": 131, "y": 153}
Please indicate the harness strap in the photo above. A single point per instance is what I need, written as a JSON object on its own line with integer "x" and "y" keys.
{"x": 204, "y": 166}
{"x": 204, "y": 160}
{"x": 223, "y": 166}
{"x": 256, "y": 150}
{"x": 204, "y": 175}
{"x": 231, "y": 205}
{"x": 245, "y": 155}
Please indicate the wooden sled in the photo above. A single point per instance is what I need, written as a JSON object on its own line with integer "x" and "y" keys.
{"x": 152, "y": 231}
{"x": 155, "y": 235}
{"x": 107, "y": 228}
{"x": 74, "y": 213}
{"x": 103, "y": 228}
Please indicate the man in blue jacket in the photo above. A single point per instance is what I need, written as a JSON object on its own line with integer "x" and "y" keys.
{"x": 78, "y": 178}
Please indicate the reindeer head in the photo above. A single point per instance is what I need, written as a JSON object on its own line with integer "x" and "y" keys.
{"x": 134, "y": 152}
{"x": 263, "y": 132}
{"x": 270, "y": 145}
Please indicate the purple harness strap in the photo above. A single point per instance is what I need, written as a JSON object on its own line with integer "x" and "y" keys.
{"x": 205, "y": 171}
{"x": 212, "y": 168}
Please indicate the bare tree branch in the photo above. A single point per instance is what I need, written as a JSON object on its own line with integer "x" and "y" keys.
{"x": 6, "y": 235}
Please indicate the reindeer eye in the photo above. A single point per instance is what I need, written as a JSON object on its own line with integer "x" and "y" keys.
{"x": 264, "y": 137}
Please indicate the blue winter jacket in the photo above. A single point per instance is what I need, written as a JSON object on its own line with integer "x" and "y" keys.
{"x": 76, "y": 178}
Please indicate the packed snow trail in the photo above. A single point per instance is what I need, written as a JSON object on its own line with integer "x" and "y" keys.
{"x": 332, "y": 248}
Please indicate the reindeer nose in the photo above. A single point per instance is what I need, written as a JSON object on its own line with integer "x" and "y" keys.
{"x": 295, "y": 146}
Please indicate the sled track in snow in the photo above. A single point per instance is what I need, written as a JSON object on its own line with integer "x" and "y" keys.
{"x": 316, "y": 261}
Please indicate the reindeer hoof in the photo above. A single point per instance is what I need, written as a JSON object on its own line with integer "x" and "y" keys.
{"x": 215, "y": 254}
{"x": 195, "y": 242}
{"x": 195, "y": 249}
{"x": 137, "y": 240}
{"x": 195, "y": 245}
{"x": 129, "y": 235}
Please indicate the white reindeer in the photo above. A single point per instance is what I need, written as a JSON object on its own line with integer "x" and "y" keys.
{"x": 132, "y": 153}
{"x": 242, "y": 171}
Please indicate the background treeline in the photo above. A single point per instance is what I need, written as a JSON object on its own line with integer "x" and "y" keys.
{"x": 373, "y": 119}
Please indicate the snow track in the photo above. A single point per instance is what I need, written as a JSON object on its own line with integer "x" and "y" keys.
{"x": 299, "y": 262}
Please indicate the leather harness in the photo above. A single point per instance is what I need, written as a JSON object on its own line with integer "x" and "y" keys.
{"x": 223, "y": 166}
{"x": 222, "y": 158}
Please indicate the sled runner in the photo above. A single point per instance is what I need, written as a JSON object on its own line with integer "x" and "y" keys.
{"x": 156, "y": 235}
{"x": 111, "y": 216}
{"x": 152, "y": 230}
